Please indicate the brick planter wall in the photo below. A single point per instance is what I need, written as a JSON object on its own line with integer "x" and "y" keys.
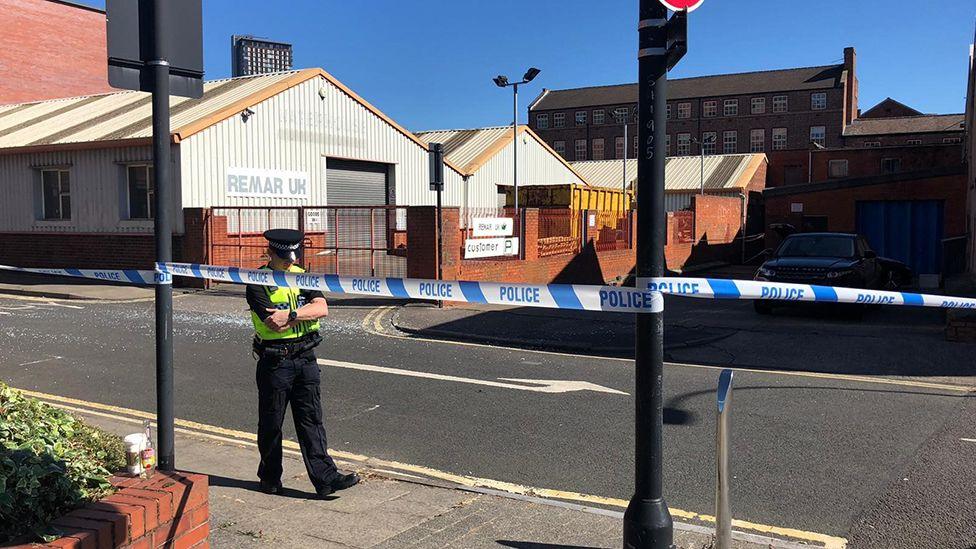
{"x": 170, "y": 510}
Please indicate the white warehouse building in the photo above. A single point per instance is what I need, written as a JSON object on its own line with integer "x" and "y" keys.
{"x": 484, "y": 158}
{"x": 75, "y": 173}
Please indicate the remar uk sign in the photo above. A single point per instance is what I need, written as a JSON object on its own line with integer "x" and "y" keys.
{"x": 266, "y": 183}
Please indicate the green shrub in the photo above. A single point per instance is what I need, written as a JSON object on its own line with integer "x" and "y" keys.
{"x": 50, "y": 463}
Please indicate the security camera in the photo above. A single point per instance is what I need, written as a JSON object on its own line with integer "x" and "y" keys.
{"x": 246, "y": 113}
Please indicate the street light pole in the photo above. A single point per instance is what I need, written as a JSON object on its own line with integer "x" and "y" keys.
{"x": 164, "y": 242}
{"x": 515, "y": 146}
{"x": 647, "y": 521}
{"x": 502, "y": 82}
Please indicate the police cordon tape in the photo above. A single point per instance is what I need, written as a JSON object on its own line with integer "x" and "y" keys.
{"x": 131, "y": 276}
{"x": 647, "y": 297}
{"x": 553, "y": 296}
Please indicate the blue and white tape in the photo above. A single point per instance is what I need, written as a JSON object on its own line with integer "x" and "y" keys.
{"x": 553, "y": 296}
{"x": 714, "y": 288}
{"x": 647, "y": 297}
{"x": 128, "y": 276}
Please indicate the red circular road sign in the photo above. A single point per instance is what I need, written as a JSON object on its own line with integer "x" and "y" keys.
{"x": 682, "y": 5}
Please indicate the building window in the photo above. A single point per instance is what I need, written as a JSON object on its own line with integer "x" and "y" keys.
{"x": 779, "y": 139}
{"x": 818, "y": 101}
{"x": 559, "y": 147}
{"x": 731, "y": 107}
{"x": 837, "y": 168}
{"x": 598, "y": 149}
{"x": 559, "y": 120}
{"x": 599, "y": 116}
{"x": 141, "y": 187}
{"x": 730, "y": 142}
{"x": 949, "y": 140}
{"x": 708, "y": 142}
{"x": 913, "y": 142}
{"x": 580, "y": 149}
{"x": 818, "y": 135}
{"x": 757, "y": 140}
{"x": 667, "y": 145}
{"x": 758, "y": 105}
{"x": 710, "y": 109}
{"x": 56, "y": 195}
{"x": 619, "y": 148}
{"x": 684, "y": 110}
{"x": 620, "y": 115}
{"x": 542, "y": 121}
{"x": 890, "y": 165}
{"x": 780, "y": 103}
{"x": 684, "y": 144}
{"x": 633, "y": 115}
{"x": 668, "y": 112}
{"x": 580, "y": 118}
{"x": 872, "y": 144}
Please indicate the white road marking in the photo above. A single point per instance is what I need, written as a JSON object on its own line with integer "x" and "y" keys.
{"x": 371, "y": 408}
{"x": 968, "y": 439}
{"x": 41, "y": 360}
{"x": 65, "y": 305}
{"x": 534, "y": 385}
{"x": 6, "y": 313}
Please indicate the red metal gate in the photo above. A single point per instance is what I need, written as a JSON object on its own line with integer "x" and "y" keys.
{"x": 345, "y": 240}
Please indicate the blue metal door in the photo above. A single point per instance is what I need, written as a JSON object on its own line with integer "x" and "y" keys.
{"x": 906, "y": 230}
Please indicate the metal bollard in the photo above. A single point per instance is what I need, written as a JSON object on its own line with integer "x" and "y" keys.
{"x": 723, "y": 517}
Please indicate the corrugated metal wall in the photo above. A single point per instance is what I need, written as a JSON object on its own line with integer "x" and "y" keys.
{"x": 679, "y": 201}
{"x": 296, "y": 130}
{"x": 97, "y": 179}
{"x": 536, "y": 166}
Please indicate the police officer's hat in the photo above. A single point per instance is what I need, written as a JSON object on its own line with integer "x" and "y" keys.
{"x": 285, "y": 242}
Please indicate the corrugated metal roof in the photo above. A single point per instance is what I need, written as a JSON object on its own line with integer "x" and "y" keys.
{"x": 121, "y": 115}
{"x": 462, "y": 147}
{"x": 926, "y": 123}
{"x": 682, "y": 173}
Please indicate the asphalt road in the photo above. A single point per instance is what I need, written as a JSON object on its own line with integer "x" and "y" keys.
{"x": 818, "y": 454}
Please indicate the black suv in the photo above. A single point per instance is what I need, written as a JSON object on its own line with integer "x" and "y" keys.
{"x": 825, "y": 259}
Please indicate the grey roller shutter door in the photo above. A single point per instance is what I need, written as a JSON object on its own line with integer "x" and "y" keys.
{"x": 355, "y": 183}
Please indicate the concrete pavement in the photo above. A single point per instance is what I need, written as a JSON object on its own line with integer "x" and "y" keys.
{"x": 388, "y": 510}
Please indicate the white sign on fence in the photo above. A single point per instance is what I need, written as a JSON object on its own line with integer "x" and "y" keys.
{"x": 490, "y": 247}
{"x": 266, "y": 183}
{"x": 492, "y": 226}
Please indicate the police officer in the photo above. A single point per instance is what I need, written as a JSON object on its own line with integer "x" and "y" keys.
{"x": 286, "y": 326}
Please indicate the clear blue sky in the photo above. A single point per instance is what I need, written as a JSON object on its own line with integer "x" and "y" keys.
{"x": 428, "y": 64}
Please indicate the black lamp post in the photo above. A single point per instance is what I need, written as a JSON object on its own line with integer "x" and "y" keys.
{"x": 502, "y": 82}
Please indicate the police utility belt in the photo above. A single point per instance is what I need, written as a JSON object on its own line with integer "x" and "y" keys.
{"x": 286, "y": 348}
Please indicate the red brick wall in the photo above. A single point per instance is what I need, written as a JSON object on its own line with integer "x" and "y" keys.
{"x": 867, "y": 162}
{"x": 719, "y": 215}
{"x": 50, "y": 49}
{"x": 168, "y": 510}
{"x": 81, "y": 250}
{"x": 840, "y": 205}
{"x": 718, "y": 219}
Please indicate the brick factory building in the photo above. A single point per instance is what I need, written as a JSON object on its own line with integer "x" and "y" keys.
{"x": 776, "y": 112}
{"x": 51, "y": 49}
{"x": 916, "y": 217}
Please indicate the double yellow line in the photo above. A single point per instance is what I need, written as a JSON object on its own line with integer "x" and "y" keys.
{"x": 222, "y": 434}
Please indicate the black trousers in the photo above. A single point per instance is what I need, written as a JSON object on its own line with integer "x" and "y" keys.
{"x": 293, "y": 379}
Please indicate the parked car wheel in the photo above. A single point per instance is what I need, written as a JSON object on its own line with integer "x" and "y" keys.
{"x": 762, "y": 307}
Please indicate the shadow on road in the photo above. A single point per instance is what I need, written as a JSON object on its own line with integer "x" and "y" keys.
{"x": 535, "y": 545}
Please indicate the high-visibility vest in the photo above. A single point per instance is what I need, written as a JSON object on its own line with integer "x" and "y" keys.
{"x": 287, "y": 299}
